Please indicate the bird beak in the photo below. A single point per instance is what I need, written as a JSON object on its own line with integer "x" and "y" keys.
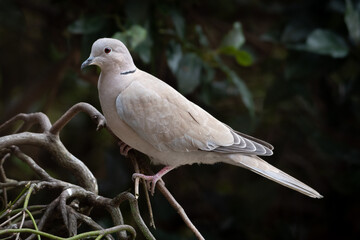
{"x": 87, "y": 62}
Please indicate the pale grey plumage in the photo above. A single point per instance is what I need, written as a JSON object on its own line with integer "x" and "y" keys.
{"x": 154, "y": 118}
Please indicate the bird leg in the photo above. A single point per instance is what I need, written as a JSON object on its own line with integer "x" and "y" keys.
{"x": 124, "y": 148}
{"x": 153, "y": 179}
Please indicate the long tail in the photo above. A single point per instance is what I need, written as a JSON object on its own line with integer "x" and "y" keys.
{"x": 264, "y": 169}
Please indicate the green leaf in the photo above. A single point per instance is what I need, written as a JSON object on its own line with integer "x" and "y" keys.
{"x": 242, "y": 57}
{"x": 245, "y": 94}
{"x": 352, "y": 20}
{"x": 87, "y": 25}
{"x": 324, "y": 42}
{"x": 235, "y": 37}
{"x": 188, "y": 73}
{"x": 228, "y": 50}
{"x": 132, "y": 37}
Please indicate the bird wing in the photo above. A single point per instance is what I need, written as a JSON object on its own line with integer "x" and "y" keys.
{"x": 168, "y": 121}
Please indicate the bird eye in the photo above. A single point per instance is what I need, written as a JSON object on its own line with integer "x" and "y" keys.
{"x": 107, "y": 50}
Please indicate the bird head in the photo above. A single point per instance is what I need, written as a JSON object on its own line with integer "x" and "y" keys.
{"x": 110, "y": 54}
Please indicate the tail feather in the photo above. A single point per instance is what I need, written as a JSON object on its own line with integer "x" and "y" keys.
{"x": 264, "y": 169}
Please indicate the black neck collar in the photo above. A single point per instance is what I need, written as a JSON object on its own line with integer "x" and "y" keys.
{"x": 128, "y": 72}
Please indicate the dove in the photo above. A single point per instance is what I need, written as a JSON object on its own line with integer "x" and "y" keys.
{"x": 152, "y": 117}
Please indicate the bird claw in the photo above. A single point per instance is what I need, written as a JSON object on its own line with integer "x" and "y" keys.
{"x": 124, "y": 148}
{"x": 150, "y": 181}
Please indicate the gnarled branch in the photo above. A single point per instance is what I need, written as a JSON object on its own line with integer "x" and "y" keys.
{"x": 67, "y": 205}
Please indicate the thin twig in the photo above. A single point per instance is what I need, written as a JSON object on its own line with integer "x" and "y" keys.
{"x": 48, "y": 212}
{"x": 134, "y": 210}
{"x": 33, "y": 221}
{"x": 161, "y": 187}
{"x": 136, "y": 170}
{"x": 28, "y": 194}
{"x": 147, "y": 197}
{"x": 34, "y": 208}
{"x": 11, "y": 218}
{"x": 117, "y": 219}
{"x": 14, "y": 184}
{"x": 32, "y": 164}
{"x": 26, "y": 203}
{"x": 72, "y": 218}
{"x": 62, "y": 205}
{"x": 89, "y": 221}
{"x": 16, "y": 203}
{"x": 3, "y": 176}
{"x": 21, "y": 224}
{"x": 146, "y": 192}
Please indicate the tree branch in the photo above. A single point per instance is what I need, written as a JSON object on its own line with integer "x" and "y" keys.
{"x": 69, "y": 114}
{"x": 62, "y": 156}
{"x": 29, "y": 120}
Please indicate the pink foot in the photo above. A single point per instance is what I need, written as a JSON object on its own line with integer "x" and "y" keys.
{"x": 152, "y": 180}
{"x": 124, "y": 148}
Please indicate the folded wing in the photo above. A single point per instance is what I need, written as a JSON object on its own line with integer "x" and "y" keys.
{"x": 169, "y": 122}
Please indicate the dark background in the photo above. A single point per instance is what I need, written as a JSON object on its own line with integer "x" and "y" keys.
{"x": 294, "y": 82}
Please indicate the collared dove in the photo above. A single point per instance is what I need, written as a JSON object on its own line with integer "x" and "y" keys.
{"x": 152, "y": 117}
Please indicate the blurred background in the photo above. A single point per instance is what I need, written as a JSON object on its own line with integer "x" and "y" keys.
{"x": 286, "y": 72}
